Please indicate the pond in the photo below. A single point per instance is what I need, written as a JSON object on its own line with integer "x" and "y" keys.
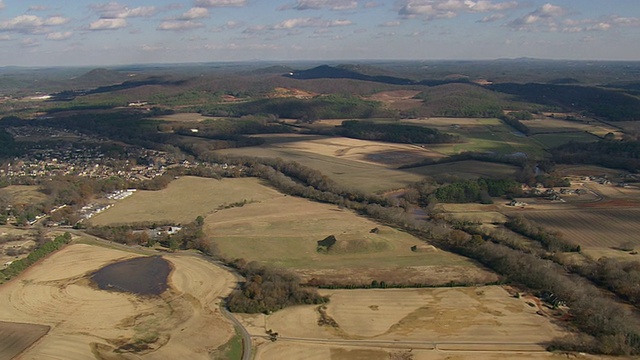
{"x": 141, "y": 276}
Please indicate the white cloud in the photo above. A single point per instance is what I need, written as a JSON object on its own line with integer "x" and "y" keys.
{"x": 114, "y": 10}
{"x": 108, "y": 24}
{"x": 180, "y": 25}
{"x": 5, "y": 37}
{"x": 309, "y": 22}
{"x": 31, "y": 24}
{"x": 195, "y": 13}
{"x": 152, "y": 48}
{"x": 444, "y": 9}
{"x": 546, "y": 16}
{"x": 322, "y": 4}
{"x": 220, "y": 3}
{"x": 371, "y": 5}
{"x": 29, "y": 42}
{"x": 390, "y": 24}
{"x": 2, "y": 4}
{"x": 36, "y": 8}
{"x": 492, "y": 18}
{"x": 59, "y": 35}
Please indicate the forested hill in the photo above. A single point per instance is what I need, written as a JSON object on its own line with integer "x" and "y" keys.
{"x": 611, "y": 104}
{"x": 330, "y": 72}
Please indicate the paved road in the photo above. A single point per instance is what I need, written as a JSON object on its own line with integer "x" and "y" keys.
{"x": 246, "y": 337}
{"x": 435, "y": 345}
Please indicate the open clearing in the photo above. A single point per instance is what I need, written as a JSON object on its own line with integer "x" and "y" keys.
{"x": 552, "y": 125}
{"x": 481, "y": 135}
{"x": 352, "y": 172}
{"x": 592, "y": 228}
{"x": 467, "y": 169}
{"x": 86, "y": 323}
{"x": 26, "y": 194}
{"x": 485, "y": 318}
{"x": 398, "y": 99}
{"x": 184, "y": 117}
{"x": 16, "y": 337}
{"x": 284, "y": 231}
{"x": 183, "y": 200}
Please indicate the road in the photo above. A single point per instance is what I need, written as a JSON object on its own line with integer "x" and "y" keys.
{"x": 246, "y": 337}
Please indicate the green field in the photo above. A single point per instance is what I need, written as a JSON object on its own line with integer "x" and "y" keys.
{"x": 553, "y": 140}
{"x": 481, "y": 135}
{"x": 284, "y": 231}
{"x": 467, "y": 169}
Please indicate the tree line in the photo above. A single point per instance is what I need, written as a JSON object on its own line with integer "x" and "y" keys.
{"x": 397, "y": 133}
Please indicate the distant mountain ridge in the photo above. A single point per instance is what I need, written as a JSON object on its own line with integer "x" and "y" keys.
{"x": 342, "y": 72}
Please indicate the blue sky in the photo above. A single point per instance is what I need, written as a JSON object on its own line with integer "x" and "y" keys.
{"x": 87, "y": 32}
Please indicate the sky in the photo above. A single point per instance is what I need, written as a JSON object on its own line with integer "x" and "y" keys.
{"x": 89, "y": 32}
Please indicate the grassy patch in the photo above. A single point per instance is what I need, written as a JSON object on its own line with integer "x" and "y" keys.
{"x": 232, "y": 350}
{"x": 553, "y": 140}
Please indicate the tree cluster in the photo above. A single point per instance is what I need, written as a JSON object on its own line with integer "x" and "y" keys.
{"x": 267, "y": 289}
{"x": 552, "y": 241}
{"x": 397, "y": 133}
{"x": 479, "y": 190}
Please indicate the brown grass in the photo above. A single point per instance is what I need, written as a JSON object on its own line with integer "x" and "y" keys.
{"x": 87, "y": 323}
{"x": 284, "y": 231}
{"x": 25, "y": 194}
{"x": 17, "y": 337}
{"x": 183, "y": 200}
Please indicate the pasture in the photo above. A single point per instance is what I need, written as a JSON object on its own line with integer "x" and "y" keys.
{"x": 284, "y": 232}
{"x": 481, "y": 135}
{"x": 549, "y": 125}
{"x": 183, "y": 200}
{"x": 23, "y": 194}
{"x": 447, "y": 319}
{"x": 467, "y": 169}
{"x": 592, "y": 228}
{"x": 556, "y": 139}
{"x": 86, "y": 323}
{"x": 184, "y": 117}
{"x": 357, "y": 164}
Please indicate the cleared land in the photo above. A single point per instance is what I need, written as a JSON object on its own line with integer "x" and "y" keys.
{"x": 554, "y": 125}
{"x": 449, "y": 319}
{"x": 17, "y": 337}
{"x": 592, "y": 228}
{"x": 284, "y": 231}
{"x": 481, "y": 135}
{"x": 398, "y": 99}
{"x": 184, "y": 117}
{"x": 87, "y": 323}
{"x": 467, "y": 169}
{"x": 352, "y": 172}
{"x": 184, "y": 200}
{"x": 25, "y": 194}
{"x": 557, "y": 139}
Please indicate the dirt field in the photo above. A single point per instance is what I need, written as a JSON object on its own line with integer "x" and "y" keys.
{"x": 87, "y": 323}
{"x": 17, "y": 337}
{"x": 453, "y": 320}
{"x": 284, "y": 231}
{"x": 398, "y": 99}
{"x": 184, "y": 200}
{"x": 592, "y": 228}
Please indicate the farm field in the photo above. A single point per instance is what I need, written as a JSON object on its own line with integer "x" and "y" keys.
{"x": 86, "y": 323}
{"x": 17, "y": 337}
{"x": 398, "y": 99}
{"x": 352, "y": 173}
{"x": 480, "y": 213}
{"x": 487, "y": 318}
{"x": 467, "y": 169}
{"x": 557, "y": 139}
{"x": 284, "y": 232}
{"x": 481, "y": 135}
{"x": 23, "y": 193}
{"x": 184, "y": 117}
{"x": 183, "y": 200}
{"x": 592, "y": 228}
{"x": 552, "y": 125}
